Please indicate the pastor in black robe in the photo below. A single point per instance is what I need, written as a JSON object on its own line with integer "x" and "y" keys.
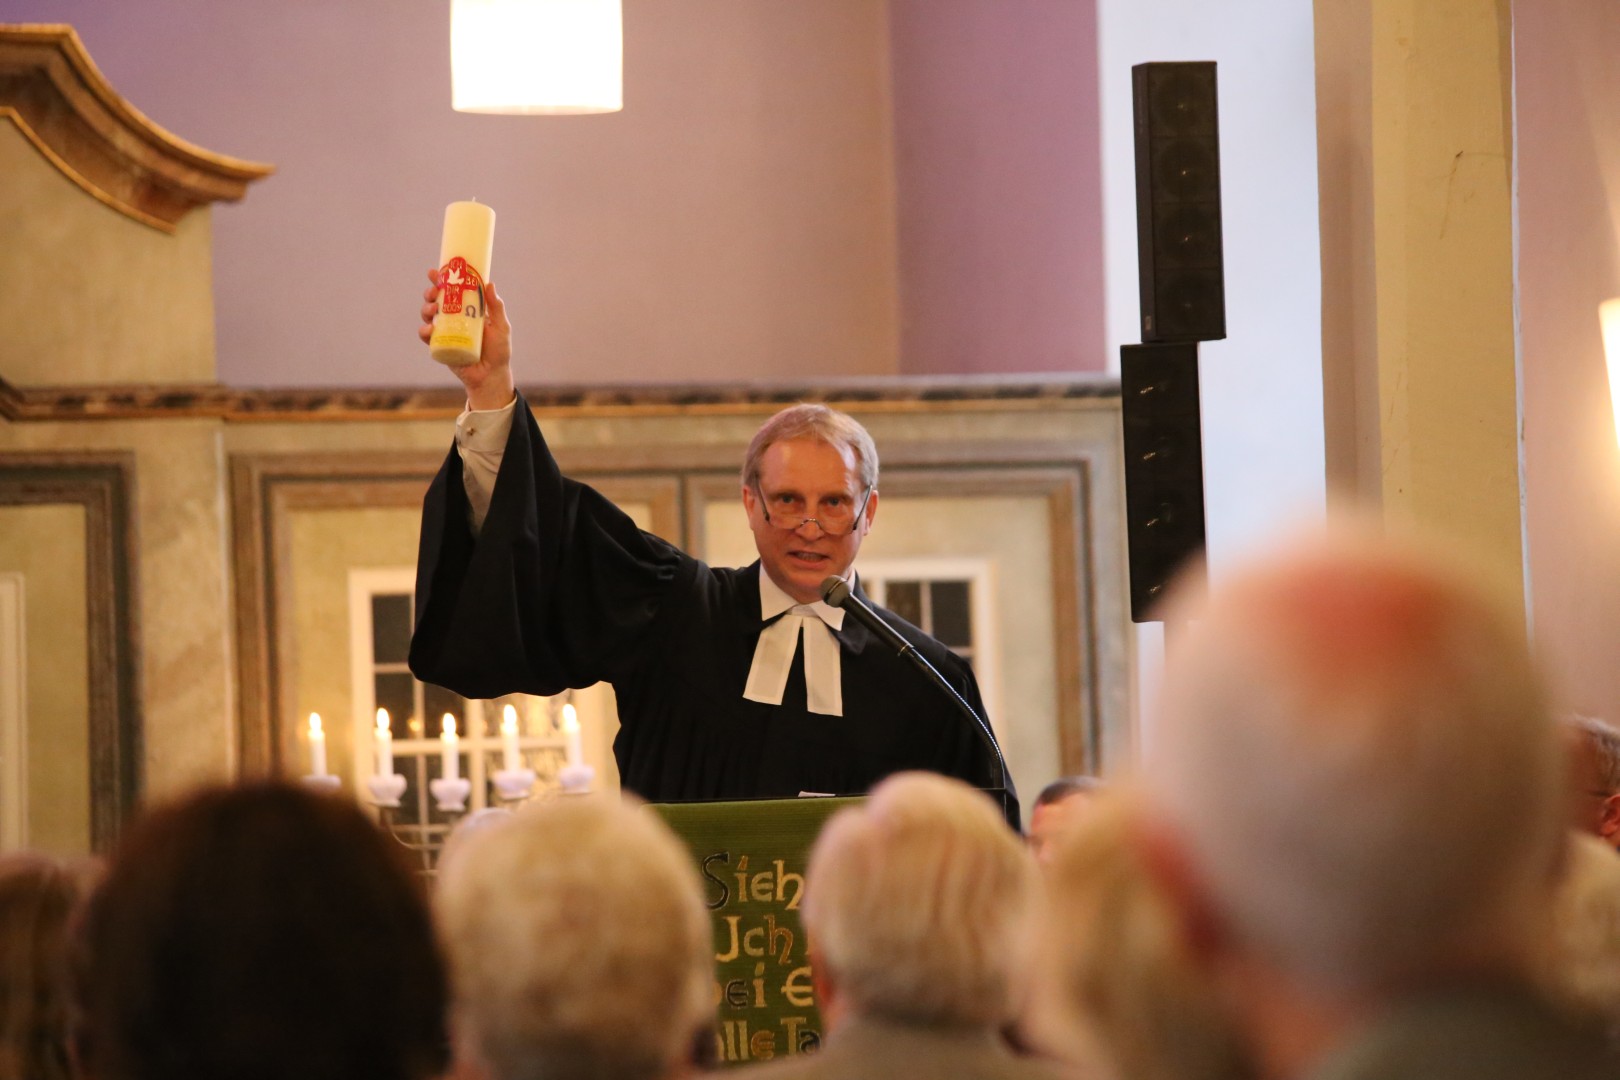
{"x": 561, "y": 590}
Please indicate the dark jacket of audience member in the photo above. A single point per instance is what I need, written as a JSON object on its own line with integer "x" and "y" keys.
{"x": 37, "y": 896}
{"x": 260, "y": 933}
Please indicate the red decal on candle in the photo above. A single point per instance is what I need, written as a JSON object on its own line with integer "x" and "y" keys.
{"x": 456, "y": 278}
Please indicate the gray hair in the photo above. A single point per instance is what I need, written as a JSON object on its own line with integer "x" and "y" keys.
{"x": 1119, "y": 983}
{"x": 1064, "y": 786}
{"x": 1357, "y": 755}
{"x": 836, "y": 429}
{"x": 579, "y": 944}
{"x": 1584, "y": 960}
{"x": 1604, "y": 741}
{"x": 953, "y": 953}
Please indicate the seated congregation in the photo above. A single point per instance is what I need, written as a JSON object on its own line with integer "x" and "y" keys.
{"x": 1347, "y": 855}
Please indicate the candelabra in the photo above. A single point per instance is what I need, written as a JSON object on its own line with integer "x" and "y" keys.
{"x": 451, "y": 792}
{"x": 513, "y": 787}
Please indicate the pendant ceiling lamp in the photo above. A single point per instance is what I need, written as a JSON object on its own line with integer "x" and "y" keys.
{"x": 536, "y": 56}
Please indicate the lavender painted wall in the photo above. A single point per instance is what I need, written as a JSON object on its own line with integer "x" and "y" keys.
{"x": 738, "y": 220}
{"x": 1568, "y": 98}
{"x": 998, "y": 181}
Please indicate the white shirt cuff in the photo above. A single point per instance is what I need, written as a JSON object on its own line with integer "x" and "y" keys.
{"x": 481, "y": 442}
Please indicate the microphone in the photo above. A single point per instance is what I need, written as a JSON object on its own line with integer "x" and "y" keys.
{"x": 837, "y": 593}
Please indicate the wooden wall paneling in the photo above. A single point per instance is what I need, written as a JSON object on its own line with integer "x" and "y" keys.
{"x": 104, "y": 485}
{"x": 266, "y": 490}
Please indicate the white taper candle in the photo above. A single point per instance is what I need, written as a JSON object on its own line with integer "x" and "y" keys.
{"x": 511, "y": 762}
{"x": 450, "y": 769}
{"x": 576, "y": 756}
{"x": 385, "y": 744}
{"x": 317, "y": 746}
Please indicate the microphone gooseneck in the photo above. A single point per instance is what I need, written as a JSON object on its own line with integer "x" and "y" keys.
{"x": 836, "y": 592}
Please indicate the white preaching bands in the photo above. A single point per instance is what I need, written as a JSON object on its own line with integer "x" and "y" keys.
{"x": 773, "y": 656}
{"x": 481, "y": 440}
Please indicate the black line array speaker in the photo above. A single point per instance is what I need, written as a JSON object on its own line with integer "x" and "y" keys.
{"x": 1178, "y": 202}
{"x": 1164, "y": 467}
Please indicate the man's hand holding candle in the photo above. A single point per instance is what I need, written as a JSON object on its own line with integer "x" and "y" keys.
{"x": 488, "y": 381}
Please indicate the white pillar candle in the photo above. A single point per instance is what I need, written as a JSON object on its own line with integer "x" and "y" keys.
{"x": 450, "y": 769}
{"x": 571, "y": 731}
{"x": 464, "y": 257}
{"x": 317, "y": 746}
{"x": 385, "y": 744}
{"x": 509, "y": 740}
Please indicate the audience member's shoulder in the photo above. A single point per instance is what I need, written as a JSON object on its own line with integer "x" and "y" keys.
{"x": 1481, "y": 1033}
{"x": 1002, "y": 1064}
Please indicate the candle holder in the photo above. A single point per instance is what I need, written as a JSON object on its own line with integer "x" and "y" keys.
{"x": 576, "y": 779}
{"x": 450, "y": 795}
{"x": 423, "y": 845}
{"x": 514, "y": 785}
{"x": 323, "y": 782}
{"x": 386, "y": 790}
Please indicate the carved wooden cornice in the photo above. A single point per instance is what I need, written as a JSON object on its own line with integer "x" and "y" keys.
{"x": 212, "y": 401}
{"x": 57, "y": 97}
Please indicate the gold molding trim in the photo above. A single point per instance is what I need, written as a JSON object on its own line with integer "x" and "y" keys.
{"x": 63, "y": 105}
{"x": 865, "y": 396}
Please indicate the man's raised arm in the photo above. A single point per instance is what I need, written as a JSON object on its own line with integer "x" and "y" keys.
{"x": 483, "y": 426}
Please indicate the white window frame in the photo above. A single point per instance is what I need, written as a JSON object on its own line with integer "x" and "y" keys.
{"x": 13, "y": 713}
{"x": 980, "y": 574}
{"x": 364, "y": 584}
{"x": 480, "y": 744}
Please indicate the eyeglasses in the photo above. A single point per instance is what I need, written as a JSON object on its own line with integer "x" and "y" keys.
{"x": 836, "y": 520}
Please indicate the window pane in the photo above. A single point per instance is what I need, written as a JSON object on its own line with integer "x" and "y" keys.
{"x": 437, "y": 701}
{"x": 904, "y": 598}
{"x": 953, "y": 623}
{"x": 395, "y": 693}
{"x": 390, "y": 629}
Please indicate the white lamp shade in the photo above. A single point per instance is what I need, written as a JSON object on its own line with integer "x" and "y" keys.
{"x": 1609, "y": 315}
{"x": 536, "y": 56}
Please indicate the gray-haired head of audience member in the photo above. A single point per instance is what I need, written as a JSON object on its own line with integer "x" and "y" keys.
{"x": 1355, "y": 767}
{"x": 1584, "y": 961}
{"x": 1595, "y": 777}
{"x": 1120, "y": 995}
{"x": 920, "y": 907}
{"x": 579, "y": 945}
{"x": 1057, "y": 807}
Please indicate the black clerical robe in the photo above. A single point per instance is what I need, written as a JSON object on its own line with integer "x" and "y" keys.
{"x": 560, "y": 589}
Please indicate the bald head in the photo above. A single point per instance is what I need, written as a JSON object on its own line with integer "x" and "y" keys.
{"x": 1355, "y": 756}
